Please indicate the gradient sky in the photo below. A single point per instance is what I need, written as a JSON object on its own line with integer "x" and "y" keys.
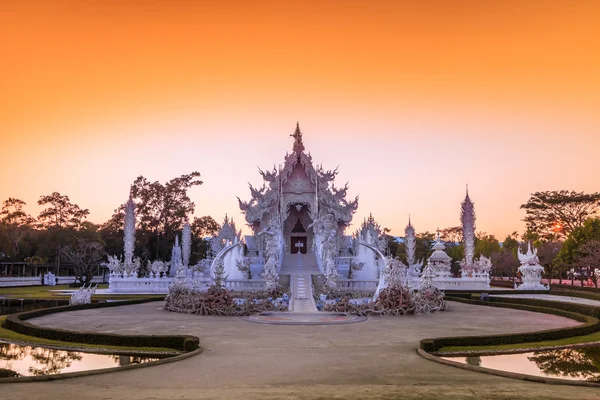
{"x": 411, "y": 99}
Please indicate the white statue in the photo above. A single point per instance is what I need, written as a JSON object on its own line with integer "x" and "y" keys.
{"x": 531, "y": 270}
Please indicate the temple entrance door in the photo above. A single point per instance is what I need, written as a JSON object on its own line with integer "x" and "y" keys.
{"x": 298, "y": 244}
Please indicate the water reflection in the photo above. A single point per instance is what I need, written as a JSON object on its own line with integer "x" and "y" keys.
{"x": 581, "y": 363}
{"x": 35, "y": 361}
{"x": 13, "y": 306}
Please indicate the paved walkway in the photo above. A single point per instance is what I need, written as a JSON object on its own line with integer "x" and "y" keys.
{"x": 553, "y": 297}
{"x": 370, "y": 360}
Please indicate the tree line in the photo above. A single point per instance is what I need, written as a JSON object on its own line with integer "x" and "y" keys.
{"x": 61, "y": 232}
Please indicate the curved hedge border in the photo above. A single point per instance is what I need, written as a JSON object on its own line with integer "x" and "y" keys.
{"x": 583, "y": 313}
{"x": 15, "y": 322}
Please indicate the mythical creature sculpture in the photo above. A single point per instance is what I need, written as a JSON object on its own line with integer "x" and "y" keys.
{"x": 530, "y": 270}
{"x": 114, "y": 265}
{"x": 159, "y": 268}
{"x": 83, "y": 295}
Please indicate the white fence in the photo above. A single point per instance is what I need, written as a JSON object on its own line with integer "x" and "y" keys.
{"x": 241, "y": 285}
{"x": 33, "y": 281}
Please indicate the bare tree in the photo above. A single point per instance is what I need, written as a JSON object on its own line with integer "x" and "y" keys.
{"x": 84, "y": 256}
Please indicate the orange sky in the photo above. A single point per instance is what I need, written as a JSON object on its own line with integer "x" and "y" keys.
{"x": 411, "y": 99}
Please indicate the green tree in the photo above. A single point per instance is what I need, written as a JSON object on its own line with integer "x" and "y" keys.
{"x": 202, "y": 228}
{"x": 16, "y": 223}
{"x": 486, "y": 245}
{"x": 163, "y": 208}
{"x": 589, "y": 258}
{"x": 511, "y": 243}
{"x": 571, "y": 249}
{"x": 61, "y": 219}
{"x": 547, "y": 252}
{"x": 555, "y": 214}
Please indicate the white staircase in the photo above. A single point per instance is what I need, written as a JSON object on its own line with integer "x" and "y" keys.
{"x": 300, "y": 267}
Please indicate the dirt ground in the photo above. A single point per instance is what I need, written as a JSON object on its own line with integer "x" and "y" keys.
{"x": 375, "y": 359}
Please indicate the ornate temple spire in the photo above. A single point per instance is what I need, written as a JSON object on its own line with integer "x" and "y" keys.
{"x": 410, "y": 243}
{"x": 297, "y": 135}
{"x": 467, "y": 219}
{"x": 129, "y": 231}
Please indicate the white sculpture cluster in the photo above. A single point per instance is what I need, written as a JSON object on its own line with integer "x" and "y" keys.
{"x": 83, "y": 295}
{"x": 531, "y": 270}
{"x": 273, "y": 252}
{"x": 429, "y": 297}
{"x": 326, "y": 246}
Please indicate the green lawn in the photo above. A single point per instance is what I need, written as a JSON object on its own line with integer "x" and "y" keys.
{"x": 594, "y": 337}
{"x": 44, "y": 293}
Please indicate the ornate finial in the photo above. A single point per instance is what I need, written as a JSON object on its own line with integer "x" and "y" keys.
{"x": 467, "y": 190}
{"x": 438, "y": 234}
{"x": 297, "y": 135}
{"x": 409, "y": 220}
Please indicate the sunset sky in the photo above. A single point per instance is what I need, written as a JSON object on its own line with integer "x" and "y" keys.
{"x": 411, "y": 99}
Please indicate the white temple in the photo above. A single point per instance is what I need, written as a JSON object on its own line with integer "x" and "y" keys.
{"x": 298, "y": 219}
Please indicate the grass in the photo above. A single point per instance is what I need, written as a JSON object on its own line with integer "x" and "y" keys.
{"x": 6, "y": 334}
{"x": 594, "y": 337}
{"x": 44, "y": 293}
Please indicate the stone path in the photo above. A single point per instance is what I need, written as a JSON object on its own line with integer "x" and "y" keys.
{"x": 302, "y": 295}
{"x": 566, "y": 299}
{"x": 374, "y": 359}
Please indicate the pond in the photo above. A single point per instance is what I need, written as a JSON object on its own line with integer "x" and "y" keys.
{"x": 17, "y": 360}
{"x": 13, "y": 306}
{"x": 579, "y": 364}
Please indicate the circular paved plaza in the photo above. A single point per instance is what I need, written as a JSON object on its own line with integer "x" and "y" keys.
{"x": 243, "y": 360}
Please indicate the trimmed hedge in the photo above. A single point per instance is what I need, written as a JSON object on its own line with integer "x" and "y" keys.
{"x": 576, "y": 293}
{"x": 15, "y": 322}
{"x": 586, "y": 314}
{"x": 577, "y": 288}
